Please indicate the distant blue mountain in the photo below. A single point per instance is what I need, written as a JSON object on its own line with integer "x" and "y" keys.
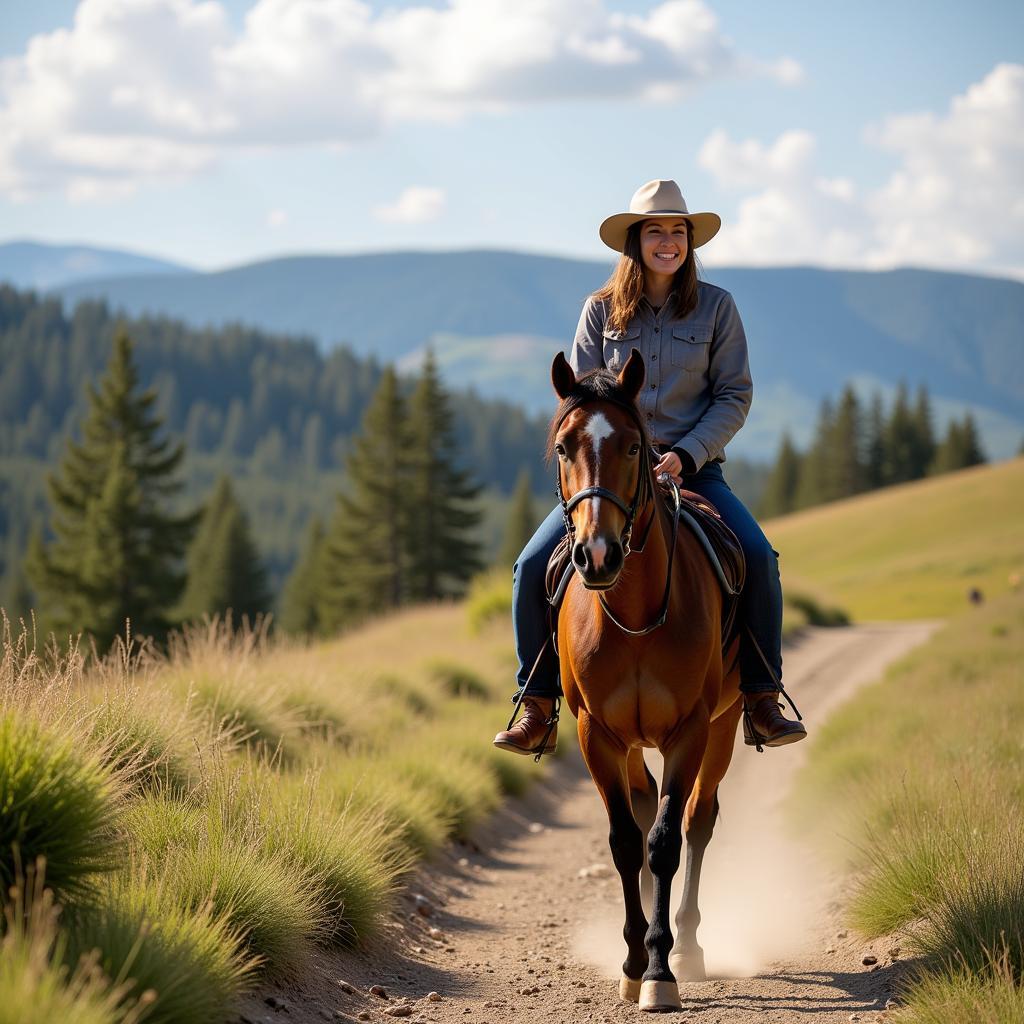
{"x": 495, "y": 320}
{"x": 42, "y": 267}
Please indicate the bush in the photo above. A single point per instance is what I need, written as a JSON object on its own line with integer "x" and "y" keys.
{"x": 489, "y": 599}
{"x": 57, "y": 801}
{"x": 36, "y": 986}
{"x": 457, "y": 680}
{"x": 191, "y": 960}
{"x": 350, "y": 857}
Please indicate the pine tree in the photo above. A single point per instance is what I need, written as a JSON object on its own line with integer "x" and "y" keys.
{"x": 365, "y": 562}
{"x": 443, "y": 552}
{"x": 900, "y": 450}
{"x": 845, "y": 462}
{"x": 299, "y": 602}
{"x": 521, "y": 521}
{"x": 224, "y": 568}
{"x": 116, "y": 550}
{"x": 781, "y": 489}
{"x": 923, "y": 446}
{"x": 960, "y": 448}
{"x": 874, "y": 445}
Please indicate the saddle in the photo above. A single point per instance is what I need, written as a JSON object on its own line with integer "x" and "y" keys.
{"x": 720, "y": 544}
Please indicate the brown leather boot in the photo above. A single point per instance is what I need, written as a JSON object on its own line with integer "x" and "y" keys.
{"x": 765, "y": 725}
{"x": 528, "y": 733}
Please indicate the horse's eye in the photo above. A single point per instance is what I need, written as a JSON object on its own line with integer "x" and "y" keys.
{"x": 560, "y": 451}
{"x": 634, "y": 450}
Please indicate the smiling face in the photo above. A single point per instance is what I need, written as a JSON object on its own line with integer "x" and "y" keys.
{"x": 663, "y": 245}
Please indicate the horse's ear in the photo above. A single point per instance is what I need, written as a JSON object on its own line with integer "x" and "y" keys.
{"x": 562, "y": 377}
{"x": 631, "y": 376}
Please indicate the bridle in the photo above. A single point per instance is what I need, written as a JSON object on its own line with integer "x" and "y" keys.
{"x": 644, "y": 493}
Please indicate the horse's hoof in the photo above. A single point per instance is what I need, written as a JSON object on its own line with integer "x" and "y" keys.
{"x": 688, "y": 966}
{"x": 629, "y": 989}
{"x": 659, "y": 997}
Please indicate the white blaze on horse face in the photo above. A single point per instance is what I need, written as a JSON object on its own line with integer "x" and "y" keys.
{"x": 597, "y": 429}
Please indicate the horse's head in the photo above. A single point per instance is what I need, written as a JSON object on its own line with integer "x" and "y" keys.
{"x": 604, "y": 468}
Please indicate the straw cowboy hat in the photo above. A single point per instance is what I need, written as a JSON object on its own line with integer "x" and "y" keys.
{"x": 658, "y": 198}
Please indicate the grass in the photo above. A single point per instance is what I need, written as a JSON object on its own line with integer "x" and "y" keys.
{"x": 190, "y": 960}
{"x": 36, "y": 986}
{"x": 918, "y": 787}
{"x": 911, "y": 551}
{"x": 57, "y": 802}
{"x": 215, "y": 815}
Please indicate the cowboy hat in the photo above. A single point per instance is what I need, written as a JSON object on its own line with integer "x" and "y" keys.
{"x": 658, "y": 198}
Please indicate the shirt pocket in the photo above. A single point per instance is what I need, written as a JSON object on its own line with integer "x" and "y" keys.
{"x": 618, "y": 344}
{"x": 691, "y": 344}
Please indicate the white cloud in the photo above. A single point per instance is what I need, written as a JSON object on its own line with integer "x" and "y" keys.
{"x": 954, "y": 200}
{"x": 144, "y": 89}
{"x": 416, "y": 204}
{"x": 277, "y": 218}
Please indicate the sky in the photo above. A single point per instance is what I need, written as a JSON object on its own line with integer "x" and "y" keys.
{"x": 218, "y": 132}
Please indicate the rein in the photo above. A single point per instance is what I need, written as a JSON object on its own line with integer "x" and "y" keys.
{"x": 644, "y": 494}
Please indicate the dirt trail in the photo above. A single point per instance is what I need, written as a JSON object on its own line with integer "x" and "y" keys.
{"x": 512, "y": 913}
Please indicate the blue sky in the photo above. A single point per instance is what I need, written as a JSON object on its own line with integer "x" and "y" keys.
{"x": 848, "y": 135}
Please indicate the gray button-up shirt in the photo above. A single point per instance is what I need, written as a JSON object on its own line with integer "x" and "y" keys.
{"x": 698, "y": 389}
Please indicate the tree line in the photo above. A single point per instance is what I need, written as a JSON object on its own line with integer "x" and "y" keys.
{"x": 118, "y": 548}
{"x": 856, "y": 448}
{"x": 274, "y": 413}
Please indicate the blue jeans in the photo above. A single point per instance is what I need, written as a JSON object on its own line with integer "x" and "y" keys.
{"x": 760, "y": 602}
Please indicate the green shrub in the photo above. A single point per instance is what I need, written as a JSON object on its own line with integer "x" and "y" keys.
{"x": 991, "y": 996}
{"x": 489, "y": 599}
{"x": 190, "y": 959}
{"x": 416, "y": 820}
{"x": 148, "y": 738}
{"x": 458, "y": 681}
{"x": 813, "y": 612}
{"x": 275, "y": 907}
{"x": 349, "y": 856}
{"x": 57, "y": 801}
{"x": 257, "y": 711}
{"x": 404, "y": 691}
{"x": 35, "y": 984}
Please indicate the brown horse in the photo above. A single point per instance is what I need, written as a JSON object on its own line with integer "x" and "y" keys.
{"x": 632, "y": 682}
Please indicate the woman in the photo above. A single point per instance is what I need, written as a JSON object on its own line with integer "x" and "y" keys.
{"x": 696, "y": 396}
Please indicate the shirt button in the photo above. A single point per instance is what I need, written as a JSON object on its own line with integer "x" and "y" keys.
{"x": 656, "y": 329}
{"x": 653, "y": 386}
{"x": 650, "y": 415}
{"x": 654, "y": 358}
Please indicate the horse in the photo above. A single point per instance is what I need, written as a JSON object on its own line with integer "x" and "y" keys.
{"x": 642, "y": 665}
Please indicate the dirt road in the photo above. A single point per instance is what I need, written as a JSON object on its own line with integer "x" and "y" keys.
{"x": 534, "y": 905}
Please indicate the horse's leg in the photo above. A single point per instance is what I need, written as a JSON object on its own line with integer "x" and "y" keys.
{"x": 683, "y": 753}
{"x": 643, "y": 795}
{"x": 606, "y": 759}
{"x": 687, "y": 959}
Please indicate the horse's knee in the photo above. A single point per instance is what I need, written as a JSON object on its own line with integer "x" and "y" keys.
{"x": 664, "y": 845}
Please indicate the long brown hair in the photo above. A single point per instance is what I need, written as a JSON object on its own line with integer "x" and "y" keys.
{"x": 623, "y": 291}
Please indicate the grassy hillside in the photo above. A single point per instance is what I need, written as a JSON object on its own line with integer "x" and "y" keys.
{"x": 911, "y": 551}
{"x": 215, "y": 816}
{"x": 916, "y": 786}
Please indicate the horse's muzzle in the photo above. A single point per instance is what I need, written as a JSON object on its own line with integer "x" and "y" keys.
{"x": 598, "y": 562}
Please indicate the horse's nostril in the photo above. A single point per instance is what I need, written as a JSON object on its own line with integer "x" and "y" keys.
{"x": 579, "y": 555}
{"x": 613, "y": 559}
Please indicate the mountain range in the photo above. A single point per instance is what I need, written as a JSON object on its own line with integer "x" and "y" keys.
{"x": 495, "y": 319}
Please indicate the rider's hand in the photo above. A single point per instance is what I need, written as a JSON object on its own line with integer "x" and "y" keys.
{"x": 670, "y": 463}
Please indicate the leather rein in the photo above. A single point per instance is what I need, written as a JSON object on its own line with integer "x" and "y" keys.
{"x": 644, "y": 493}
